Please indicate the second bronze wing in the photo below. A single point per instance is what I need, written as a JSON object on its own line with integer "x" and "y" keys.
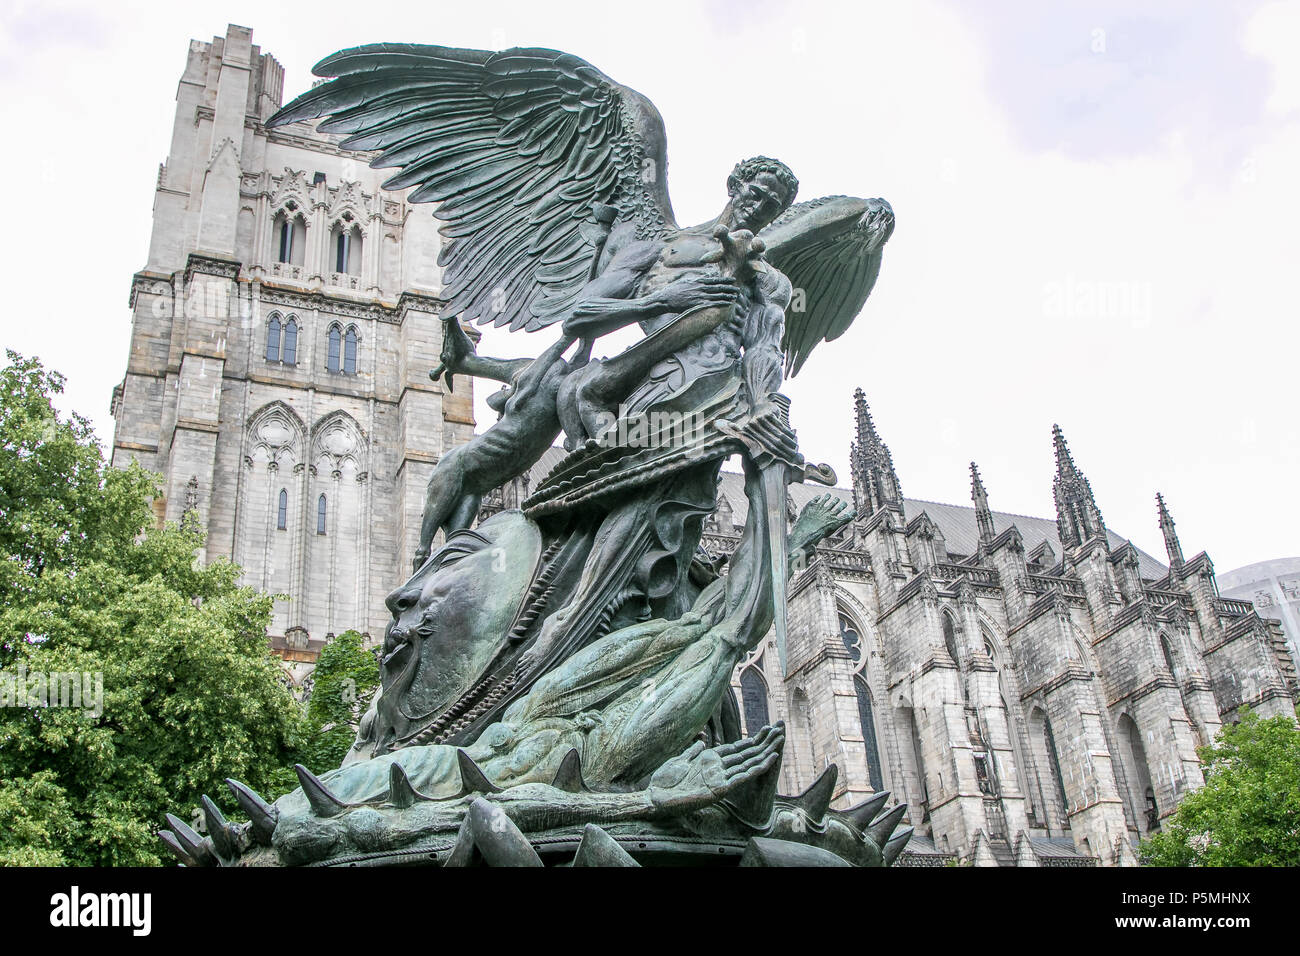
{"x": 830, "y": 248}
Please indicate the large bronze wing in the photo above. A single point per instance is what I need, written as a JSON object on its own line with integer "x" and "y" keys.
{"x": 830, "y": 248}
{"x": 515, "y": 146}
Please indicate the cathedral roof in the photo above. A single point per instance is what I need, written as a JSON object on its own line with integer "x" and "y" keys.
{"x": 956, "y": 522}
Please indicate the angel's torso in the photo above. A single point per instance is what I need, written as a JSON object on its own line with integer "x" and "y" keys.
{"x": 682, "y": 254}
{"x": 695, "y": 252}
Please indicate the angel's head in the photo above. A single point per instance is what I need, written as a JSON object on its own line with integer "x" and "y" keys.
{"x": 761, "y": 189}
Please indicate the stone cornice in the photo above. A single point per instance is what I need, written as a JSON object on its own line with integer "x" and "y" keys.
{"x": 1161, "y": 679}
{"x": 1095, "y": 543}
{"x": 1197, "y": 682}
{"x": 823, "y": 653}
{"x": 805, "y": 579}
{"x": 1200, "y": 563}
{"x": 1271, "y": 690}
{"x": 921, "y": 585}
{"x": 194, "y": 425}
{"x": 1235, "y": 631}
{"x": 423, "y": 301}
{"x": 211, "y": 265}
{"x": 275, "y": 294}
{"x": 144, "y": 278}
{"x": 284, "y": 138}
{"x": 305, "y": 300}
{"x": 415, "y": 457}
{"x": 1074, "y": 671}
{"x": 1051, "y": 601}
{"x": 935, "y": 662}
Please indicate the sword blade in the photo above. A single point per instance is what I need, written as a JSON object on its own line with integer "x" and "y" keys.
{"x": 774, "y": 478}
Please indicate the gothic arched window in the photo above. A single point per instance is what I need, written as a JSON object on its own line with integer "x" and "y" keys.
{"x": 347, "y": 249}
{"x": 285, "y": 237}
{"x": 290, "y": 353}
{"x": 1142, "y": 789}
{"x": 950, "y": 637}
{"x": 350, "y": 352}
{"x": 1169, "y": 655}
{"x": 290, "y": 238}
{"x": 282, "y": 512}
{"x": 850, "y": 637}
{"x": 320, "y": 515}
{"x": 1054, "y": 759}
{"x": 273, "y": 339}
{"x": 753, "y": 696}
{"x": 868, "y": 721}
{"x": 335, "y": 349}
{"x": 341, "y": 242}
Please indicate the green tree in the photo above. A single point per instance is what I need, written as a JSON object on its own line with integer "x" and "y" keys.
{"x": 89, "y": 586}
{"x": 343, "y": 681}
{"x": 35, "y": 821}
{"x": 1248, "y": 812}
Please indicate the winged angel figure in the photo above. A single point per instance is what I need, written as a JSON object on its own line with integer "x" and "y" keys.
{"x": 550, "y": 179}
{"x": 570, "y": 662}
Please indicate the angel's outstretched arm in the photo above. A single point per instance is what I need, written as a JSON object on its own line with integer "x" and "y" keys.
{"x": 606, "y": 302}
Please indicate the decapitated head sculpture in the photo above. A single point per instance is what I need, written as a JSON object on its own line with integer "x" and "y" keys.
{"x": 450, "y": 620}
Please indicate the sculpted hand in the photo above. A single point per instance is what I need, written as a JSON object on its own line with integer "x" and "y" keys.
{"x": 700, "y": 777}
{"x": 689, "y": 292}
{"x": 739, "y": 251}
{"x": 456, "y": 347}
{"x": 820, "y": 517}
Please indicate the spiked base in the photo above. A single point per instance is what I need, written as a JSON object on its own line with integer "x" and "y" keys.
{"x": 750, "y": 826}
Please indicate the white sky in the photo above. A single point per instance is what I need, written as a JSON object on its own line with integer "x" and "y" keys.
{"x": 1097, "y": 215}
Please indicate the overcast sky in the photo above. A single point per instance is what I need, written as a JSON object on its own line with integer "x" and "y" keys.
{"x": 1097, "y": 211}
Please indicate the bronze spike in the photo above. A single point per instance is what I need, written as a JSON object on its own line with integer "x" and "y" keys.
{"x": 895, "y": 845}
{"x": 221, "y": 833}
{"x": 170, "y": 841}
{"x": 400, "y": 792}
{"x": 472, "y": 777}
{"x": 323, "y": 803}
{"x": 569, "y": 776}
{"x": 883, "y": 827}
{"x": 862, "y": 815}
{"x": 262, "y": 816}
{"x": 816, "y": 800}
{"x": 190, "y": 841}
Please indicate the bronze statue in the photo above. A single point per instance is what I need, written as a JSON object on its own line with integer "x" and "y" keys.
{"x": 568, "y": 664}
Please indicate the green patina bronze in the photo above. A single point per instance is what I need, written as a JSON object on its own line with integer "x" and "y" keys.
{"x": 555, "y": 681}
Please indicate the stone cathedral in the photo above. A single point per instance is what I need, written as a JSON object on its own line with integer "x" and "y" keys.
{"x": 1034, "y": 689}
{"x": 283, "y": 328}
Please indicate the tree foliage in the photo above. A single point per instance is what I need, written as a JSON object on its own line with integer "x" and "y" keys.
{"x": 89, "y": 586}
{"x": 345, "y": 677}
{"x": 1248, "y": 812}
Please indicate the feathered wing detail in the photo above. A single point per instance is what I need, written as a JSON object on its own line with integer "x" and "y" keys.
{"x": 830, "y": 248}
{"x": 515, "y": 146}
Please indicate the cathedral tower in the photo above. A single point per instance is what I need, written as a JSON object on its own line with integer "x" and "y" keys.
{"x": 283, "y": 328}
